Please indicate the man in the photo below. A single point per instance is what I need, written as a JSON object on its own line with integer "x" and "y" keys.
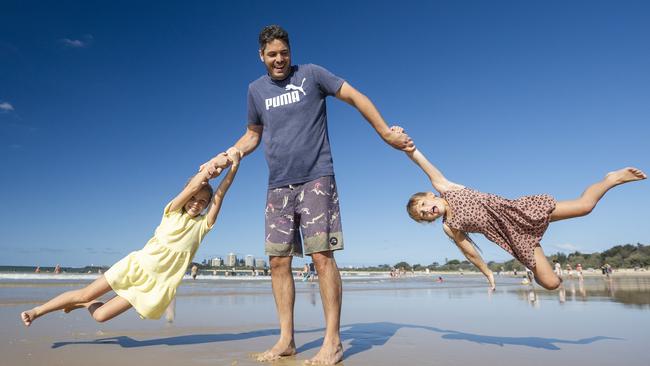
{"x": 286, "y": 108}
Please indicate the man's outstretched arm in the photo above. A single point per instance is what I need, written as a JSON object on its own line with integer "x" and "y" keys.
{"x": 364, "y": 105}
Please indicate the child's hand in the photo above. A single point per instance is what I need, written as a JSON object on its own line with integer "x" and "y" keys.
{"x": 214, "y": 167}
{"x": 397, "y": 129}
{"x": 235, "y": 155}
{"x": 216, "y": 163}
{"x": 400, "y": 131}
{"x": 221, "y": 161}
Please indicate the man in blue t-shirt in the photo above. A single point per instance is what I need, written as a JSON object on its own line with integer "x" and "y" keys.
{"x": 286, "y": 109}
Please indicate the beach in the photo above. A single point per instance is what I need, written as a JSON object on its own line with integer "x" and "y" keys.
{"x": 409, "y": 320}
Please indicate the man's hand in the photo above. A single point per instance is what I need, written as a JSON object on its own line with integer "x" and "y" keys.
{"x": 399, "y": 139}
{"x": 235, "y": 155}
{"x": 216, "y": 165}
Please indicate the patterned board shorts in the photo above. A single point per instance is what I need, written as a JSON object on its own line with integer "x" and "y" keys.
{"x": 310, "y": 208}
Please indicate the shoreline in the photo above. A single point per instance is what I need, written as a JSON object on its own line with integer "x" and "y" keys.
{"x": 349, "y": 274}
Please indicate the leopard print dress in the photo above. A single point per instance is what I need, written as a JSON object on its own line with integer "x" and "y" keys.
{"x": 515, "y": 225}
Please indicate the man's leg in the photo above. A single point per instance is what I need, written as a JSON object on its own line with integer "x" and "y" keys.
{"x": 284, "y": 292}
{"x": 282, "y": 242}
{"x": 331, "y": 293}
{"x": 321, "y": 228}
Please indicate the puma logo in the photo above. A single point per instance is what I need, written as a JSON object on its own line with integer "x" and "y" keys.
{"x": 293, "y": 96}
{"x": 299, "y": 88}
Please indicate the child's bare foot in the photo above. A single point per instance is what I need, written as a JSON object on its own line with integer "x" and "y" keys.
{"x": 90, "y": 305}
{"x": 625, "y": 175}
{"x": 80, "y": 305}
{"x": 68, "y": 309}
{"x": 28, "y": 317}
{"x": 281, "y": 349}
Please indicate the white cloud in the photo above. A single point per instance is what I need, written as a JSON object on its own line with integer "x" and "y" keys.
{"x": 24, "y": 250}
{"x": 77, "y": 43}
{"x": 6, "y": 107}
{"x": 567, "y": 247}
{"x": 74, "y": 43}
{"x": 102, "y": 251}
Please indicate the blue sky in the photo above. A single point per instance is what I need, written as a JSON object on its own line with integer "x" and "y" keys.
{"x": 107, "y": 108}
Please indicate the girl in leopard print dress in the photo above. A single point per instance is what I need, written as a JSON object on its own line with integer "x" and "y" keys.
{"x": 516, "y": 225}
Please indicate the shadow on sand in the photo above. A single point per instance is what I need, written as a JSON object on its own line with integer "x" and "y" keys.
{"x": 364, "y": 336}
{"x": 128, "y": 342}
{"x": 361, "y": 337}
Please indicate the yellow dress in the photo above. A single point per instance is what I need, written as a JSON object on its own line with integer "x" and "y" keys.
{"x": 148, "y": 278}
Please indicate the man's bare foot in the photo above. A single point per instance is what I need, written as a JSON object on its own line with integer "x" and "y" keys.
{"x": 328, "y": 355}
{"x": 281, "y": 349}
{"x": 626, "y": 175}
{"x": 28, "y": 317}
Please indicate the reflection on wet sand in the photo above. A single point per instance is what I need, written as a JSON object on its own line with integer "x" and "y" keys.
{"x": 632, "y": 291}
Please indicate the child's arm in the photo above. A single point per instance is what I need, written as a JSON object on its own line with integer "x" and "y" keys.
{"x": 234, "y": 155}
{"x": 198, "y": 181}
{"x": 470, "y": 253}
{"x": 439, "y": 182}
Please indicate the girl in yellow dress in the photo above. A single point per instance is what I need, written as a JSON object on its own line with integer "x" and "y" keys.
{"x": 147, "y": 279}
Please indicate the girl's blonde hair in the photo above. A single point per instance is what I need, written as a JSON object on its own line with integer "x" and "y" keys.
{"x": 208, "y": 187}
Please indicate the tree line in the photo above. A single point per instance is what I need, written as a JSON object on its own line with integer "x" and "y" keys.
{"x": 620, "y": 256}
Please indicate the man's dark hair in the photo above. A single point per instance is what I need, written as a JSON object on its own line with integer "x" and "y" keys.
{"x": 271, "y": 33}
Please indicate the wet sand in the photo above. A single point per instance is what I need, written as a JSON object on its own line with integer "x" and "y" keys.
{"x": 384, "y": 322}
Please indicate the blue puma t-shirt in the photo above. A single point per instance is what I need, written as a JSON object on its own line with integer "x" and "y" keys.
{"x": 294, "y": 116}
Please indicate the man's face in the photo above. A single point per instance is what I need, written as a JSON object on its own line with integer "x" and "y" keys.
{"x": 277, "y": 59}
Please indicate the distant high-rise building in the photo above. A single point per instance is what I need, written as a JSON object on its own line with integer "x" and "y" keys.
{"x": 216, "y": 262}
{"x": 231, "y": 260}
{"x": 249, "y": 261}
{"x": 260, "y": 263}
